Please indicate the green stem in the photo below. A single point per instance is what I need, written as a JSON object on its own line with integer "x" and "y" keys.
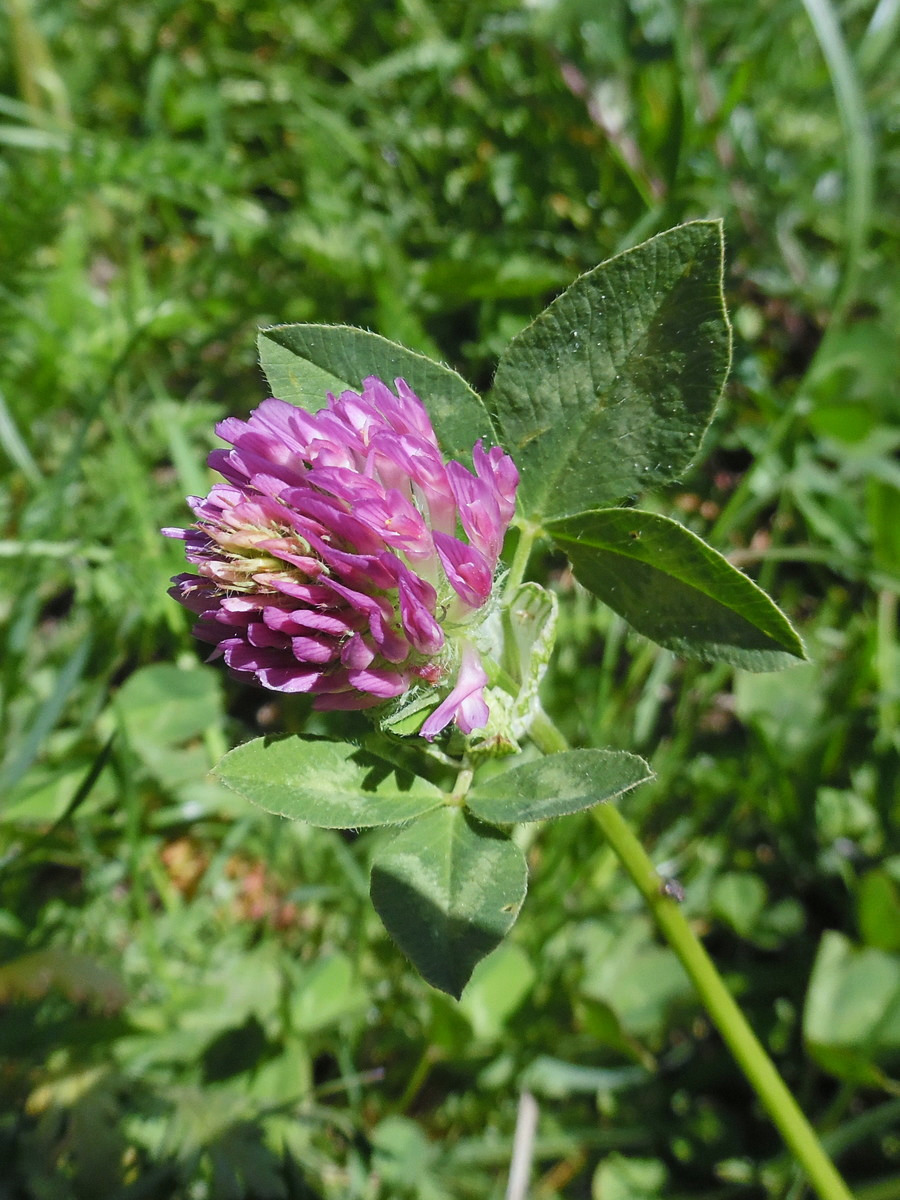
{"x": 429, "y": 1056}
{"x": 727, "y": 1017}
{"x": 746, "y": 1048}
{"x": 463, "y": 783}
{"x": 886, "y": 662}
{"x": 528, "y": 534}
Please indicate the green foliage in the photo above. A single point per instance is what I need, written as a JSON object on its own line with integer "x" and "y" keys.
{"x": 448, "y": 889}
{"x": 674, "y": 588}
{"x": 557, "y": 785}
{"x": 438, "y": 174}
{"x": 335, "y": 785}
{"x": 621, "y": 1178}
{"x": 609, "y": 390}
{"x": 852, "y": 1017}
{"x": 163, "y": 705}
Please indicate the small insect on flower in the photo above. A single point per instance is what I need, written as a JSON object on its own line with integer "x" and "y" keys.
{"x": 343, "y": 557}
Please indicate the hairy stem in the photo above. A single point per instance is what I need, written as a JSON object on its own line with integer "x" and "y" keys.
{"x": 528, "y": 534}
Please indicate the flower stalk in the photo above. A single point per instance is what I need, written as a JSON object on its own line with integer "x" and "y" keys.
{"x": 745, "y": 1047}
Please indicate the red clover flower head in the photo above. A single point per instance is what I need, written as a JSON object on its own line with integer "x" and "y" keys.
{"x": 331, "y": 560}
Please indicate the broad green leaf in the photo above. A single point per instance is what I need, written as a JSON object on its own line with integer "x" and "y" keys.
{"x": 739, "y": 897}
{"x": 163, "y": 705}
{"x": 621, "y": 1178}
{"x": 402, "y": 1152}
{"x": 789, "y": 712}
{"x": 328, "y": 992}
{"x": 878, "y": 910}
{"x": 447, "y": 889}
{"x": 675, "y": 589}
{"x": 334, "y": 785}
{"x": 852, "y": 1018}
{"x": 234, "y": 1051}
{"x": 624, "y": 967}
{"x": 604, "y": 1026}
{"x": 610, "y": 389}
{"x": 56, "y": 791}
{"x": 846, "y": 813}
{"x": 282, "y": 1081}
{"x": 304, "y": 362}
{"x": 557, "y": 785}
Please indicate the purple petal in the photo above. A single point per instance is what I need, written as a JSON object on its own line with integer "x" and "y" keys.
{"x": 465, "y": 704}
{"x": 288, "y": 425}
{"x": 313, "y": 650}
{"x": 479, "y": 511}
{"x": 379, "y": 613}
{"x": 407, "y": 459}
{"x": 417, "y": 604}
{"x": 302, "y": 620}
{"x": 320, "y": 560}
{"x": 258, "y": 452}
{"x": 244, "y": 657}
{"x": 356, "y": 570}
{"x": 466, "y": 569}
{"x": 241, "y": 604}
{"x": 356, "y": 654}
{"x": 194, "y": 593}
{"x": 414, "y": 413}
{"x": 381, "y": 683}
{"x": 499, "y": 470}
{"x": 332, "y": 519}
{"x": 209, "y": 630}
{"x": 311, "y": 593}
{"x": 386, "y": 511}
{"x": 290, "y": 679}
{"x": 260, "y": 635}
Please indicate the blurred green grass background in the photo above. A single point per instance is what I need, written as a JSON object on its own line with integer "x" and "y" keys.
{"x": 196, "y": 999}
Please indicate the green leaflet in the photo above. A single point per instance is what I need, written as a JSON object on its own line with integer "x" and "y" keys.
{"x": 610, "y": 389}
{"x": 334, "y": 785}
{"x": 557, "y": 785}
{"x": 448, "y": 889}
{"x": 675, "y": 589}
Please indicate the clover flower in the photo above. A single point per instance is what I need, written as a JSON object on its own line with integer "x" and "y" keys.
{"x": 331, "y": 562}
